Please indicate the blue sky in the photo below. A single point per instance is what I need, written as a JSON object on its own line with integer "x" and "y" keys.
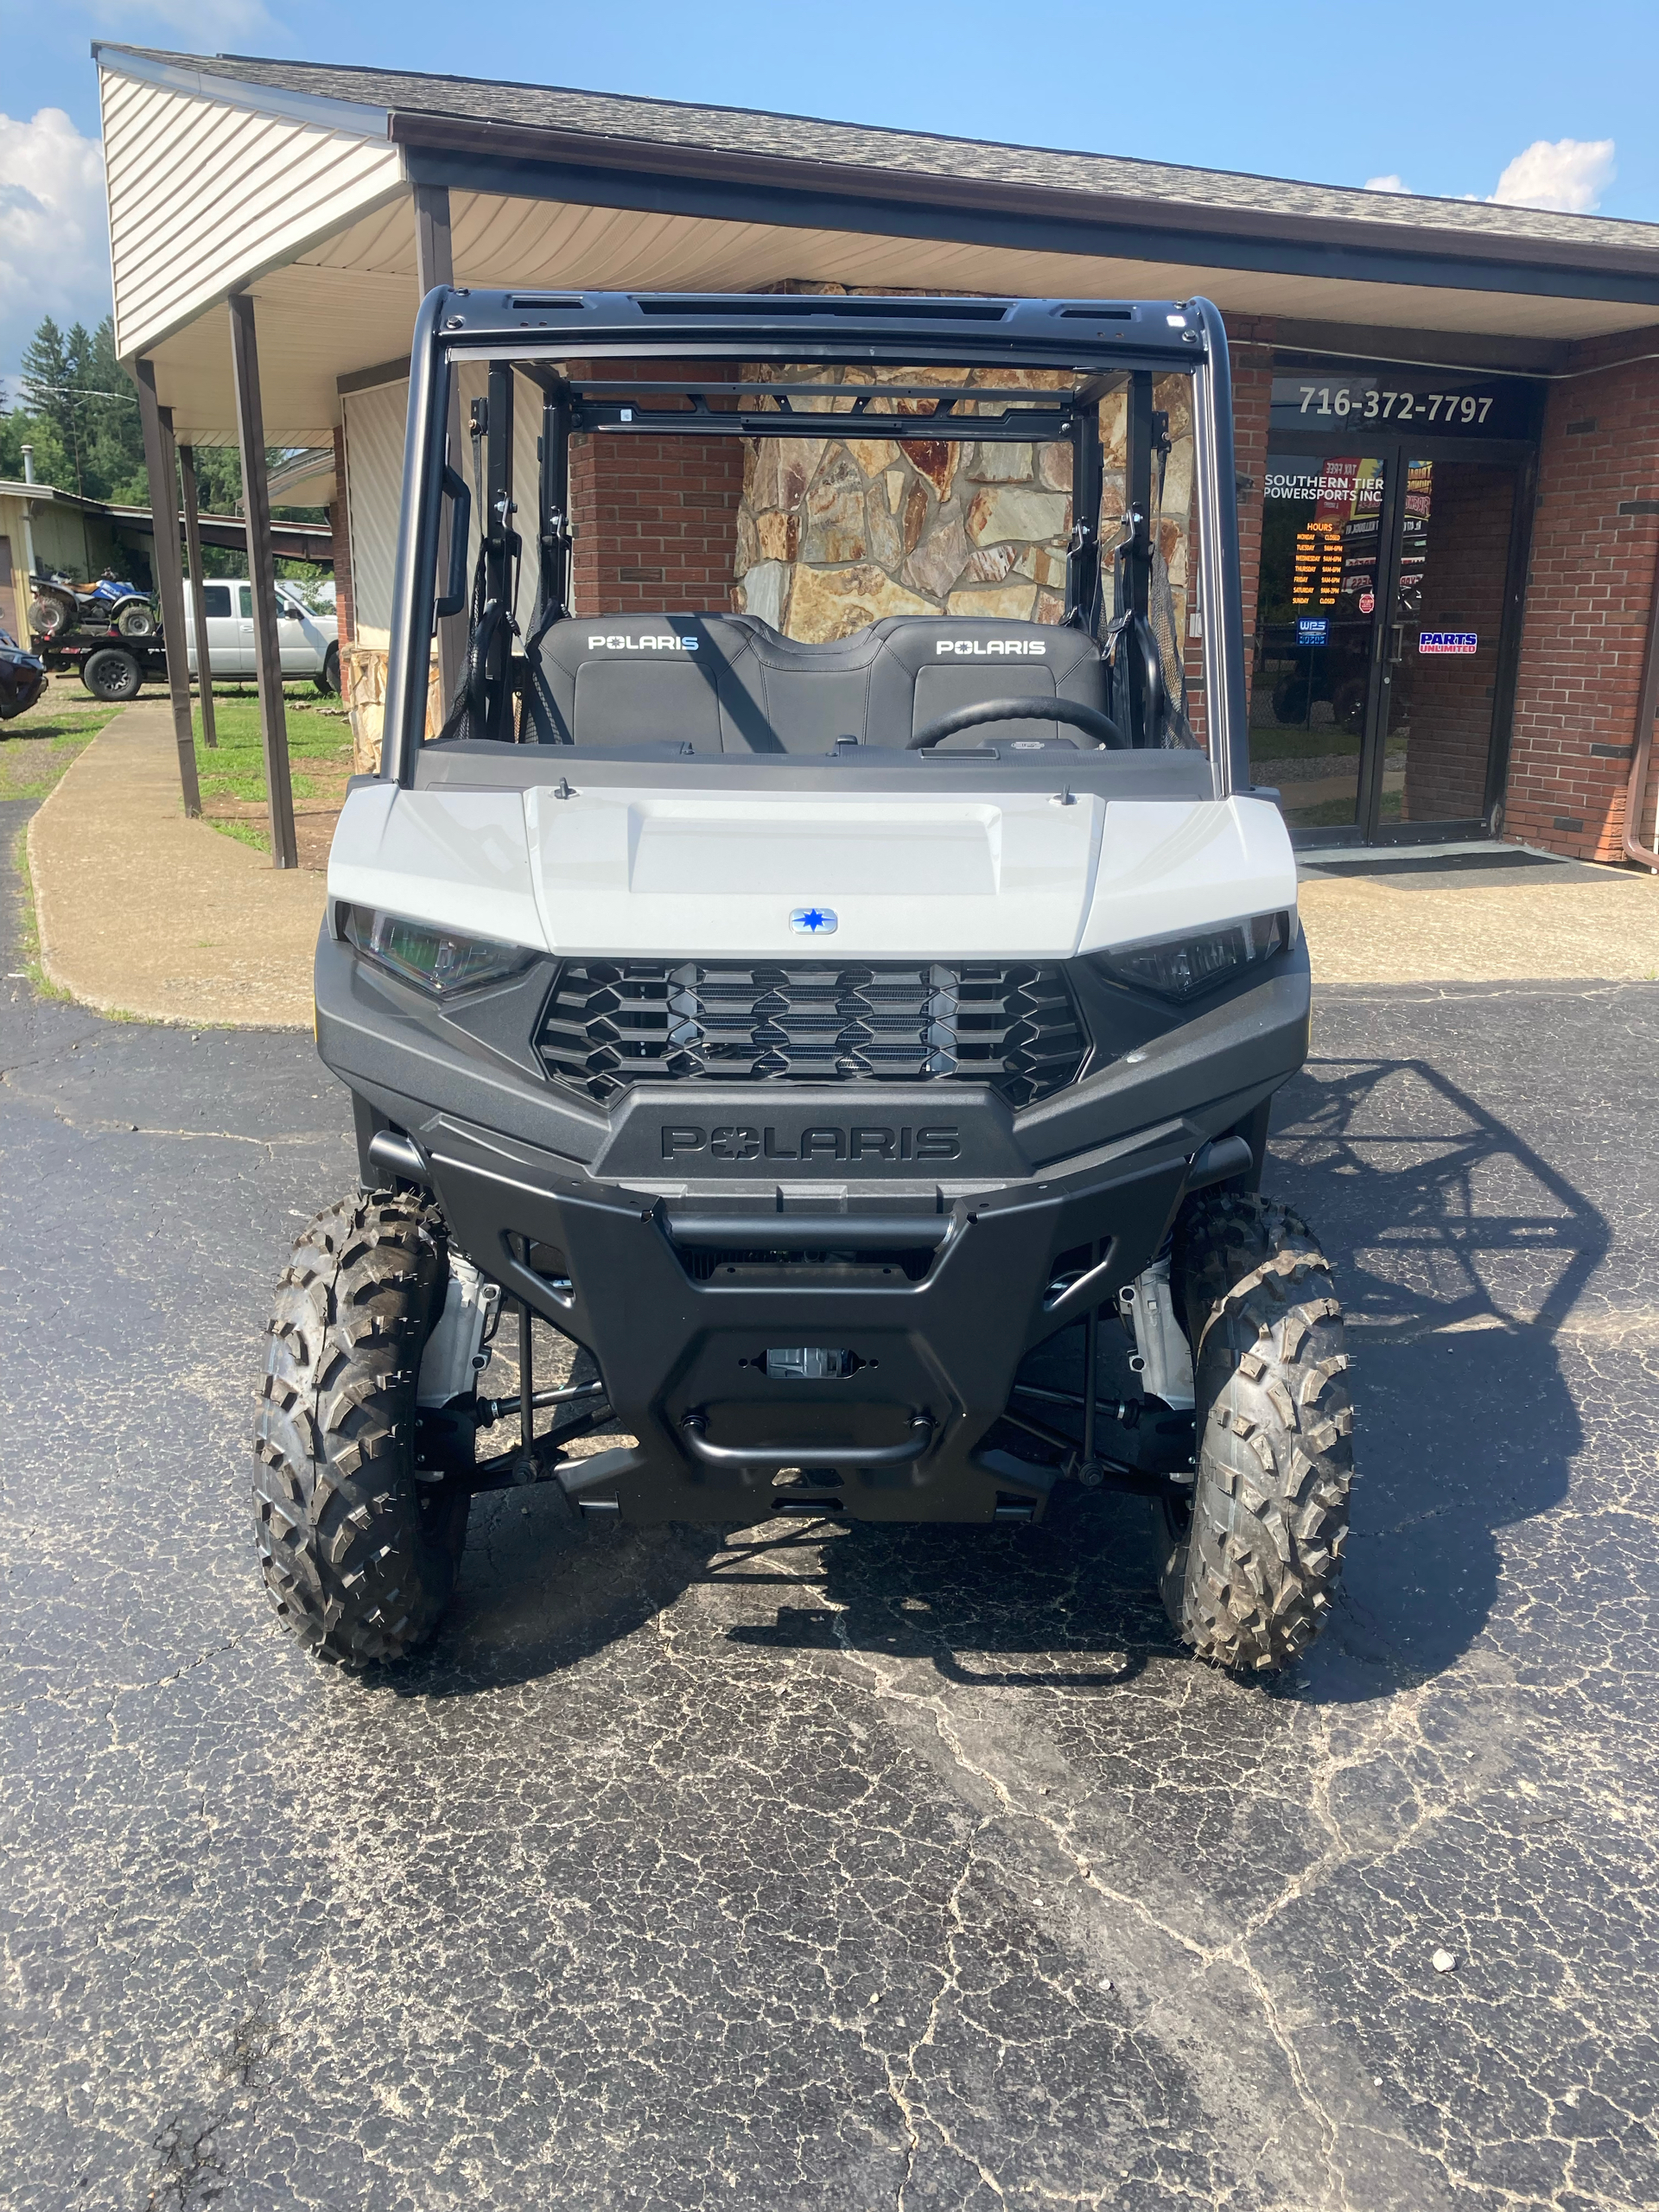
{"x": 1444, "y": 98}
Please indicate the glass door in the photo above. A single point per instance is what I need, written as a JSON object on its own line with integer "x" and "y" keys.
{"x": 1321, "y": 616}
{"x": 1393, "y": 555}
{"x": 1445, "y": 685}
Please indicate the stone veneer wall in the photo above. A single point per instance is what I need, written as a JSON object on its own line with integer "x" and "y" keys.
{"x": 833, "y": 532}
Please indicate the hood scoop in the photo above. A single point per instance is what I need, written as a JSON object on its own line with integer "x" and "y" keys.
{"x": 886, "y": 875}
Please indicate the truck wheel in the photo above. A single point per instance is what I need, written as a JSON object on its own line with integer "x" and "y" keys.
{"x": 111, "y": 674}
{"x": 1251, "y": 1566}
{"x": 359, "y": 1558}
{"x": 328, "y": 679}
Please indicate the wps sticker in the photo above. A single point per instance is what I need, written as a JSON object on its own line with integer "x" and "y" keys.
{"x": 1448, "y": 641}
{"x": 1313, "y": 630}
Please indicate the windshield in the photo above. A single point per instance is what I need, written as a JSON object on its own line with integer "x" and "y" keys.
{"x": 722, "y": 550}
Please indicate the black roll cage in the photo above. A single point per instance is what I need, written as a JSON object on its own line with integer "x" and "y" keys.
{"x": 1106, "y": 345}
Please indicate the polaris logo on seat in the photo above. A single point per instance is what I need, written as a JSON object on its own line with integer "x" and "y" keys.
{"x": 739, "y": 1143}
{"x": 980, "y": 648}
{"x": 656, "y": 645}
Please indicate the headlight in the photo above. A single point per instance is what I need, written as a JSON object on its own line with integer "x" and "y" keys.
{"x": 1180, "y": 967}
{"x": 436, "y": 960}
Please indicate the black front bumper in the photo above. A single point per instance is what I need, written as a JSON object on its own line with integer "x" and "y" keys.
{"x": 925, "y": 1234}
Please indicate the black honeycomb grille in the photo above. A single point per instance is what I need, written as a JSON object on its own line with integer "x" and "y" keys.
{"x": 611, "y": 1023}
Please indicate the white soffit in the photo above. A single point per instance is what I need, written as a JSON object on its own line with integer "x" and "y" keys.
{"x": 502, "y": 241}
{"x": 206, "y": 193}
{"x": 347, "y": 302}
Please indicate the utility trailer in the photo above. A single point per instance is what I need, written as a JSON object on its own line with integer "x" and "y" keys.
{"x": 860, "y": 1050}
{"x": 112, "y": 668}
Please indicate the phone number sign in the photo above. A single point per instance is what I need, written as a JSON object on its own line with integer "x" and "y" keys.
{"x": 1404, "y": 399}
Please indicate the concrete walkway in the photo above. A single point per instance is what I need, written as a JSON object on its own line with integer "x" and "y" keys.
{"x": 1539, "y": 924}
{"x": 141, "y": 912}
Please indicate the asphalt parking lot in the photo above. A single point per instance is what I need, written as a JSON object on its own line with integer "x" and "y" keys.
{"x": 841, "y": 1868}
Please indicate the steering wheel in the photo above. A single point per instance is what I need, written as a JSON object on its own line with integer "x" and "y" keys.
{"x": 1089, "y": 720}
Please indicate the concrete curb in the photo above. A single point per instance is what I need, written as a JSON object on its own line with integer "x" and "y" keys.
{"x": 143, "y": 912}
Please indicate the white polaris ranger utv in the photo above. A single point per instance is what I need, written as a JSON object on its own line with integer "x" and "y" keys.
{"x": 825, "y": 1038}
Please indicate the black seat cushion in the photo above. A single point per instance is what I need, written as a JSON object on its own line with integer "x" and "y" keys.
{"x": 931, "y": 664}
{"x": 730, "y": 682}
{"x": 614, "y": 680}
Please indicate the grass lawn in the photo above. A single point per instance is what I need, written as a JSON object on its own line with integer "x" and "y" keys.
{"x": 233, "y": 795}
{"x": 36, "y": 748}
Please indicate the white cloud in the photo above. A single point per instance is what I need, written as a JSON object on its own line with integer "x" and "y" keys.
{"x": 1567, "y": 177}
{"x": 55, "y": 250}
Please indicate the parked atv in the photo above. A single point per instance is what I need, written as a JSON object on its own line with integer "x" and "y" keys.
{"x": 60, "y": 605}
{"x": 860, "y": 1051}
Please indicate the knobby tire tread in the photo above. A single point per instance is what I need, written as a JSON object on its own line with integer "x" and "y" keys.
{"x": 359, "y": 1558}
{"x": 1250, "y": 1579}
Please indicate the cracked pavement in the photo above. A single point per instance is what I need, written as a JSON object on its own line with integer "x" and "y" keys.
{"x": 843, "y": 1867}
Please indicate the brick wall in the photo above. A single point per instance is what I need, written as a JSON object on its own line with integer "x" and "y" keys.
{"x": 1450, "y": 697}
{"x": 656, "y": 517}
{"x": 1594, "y": 553}
{"x": 340, "y": 522}
{"x": 1251, "y": 350}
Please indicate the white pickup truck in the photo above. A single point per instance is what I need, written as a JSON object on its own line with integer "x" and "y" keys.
{"x": 114, "y": 668}
{"x": 309, "y": 643}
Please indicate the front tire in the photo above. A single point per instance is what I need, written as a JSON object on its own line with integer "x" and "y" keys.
{"x": 135, "y": 621}
{"x": 328, "y": 678}
{"x": 1250, "y": 1569}
{"x": 359, "y": 1558}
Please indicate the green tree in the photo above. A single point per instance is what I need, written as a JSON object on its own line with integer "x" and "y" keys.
{"x": 80, "y": 413}
{"x": 53, "y": 370}
{"x": 18, "y": 430}
{"x": 117, "y": 466}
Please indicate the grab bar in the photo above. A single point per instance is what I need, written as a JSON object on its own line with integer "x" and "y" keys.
{"x": 693, "y": 1427}
{"x": 780, "y": 1232}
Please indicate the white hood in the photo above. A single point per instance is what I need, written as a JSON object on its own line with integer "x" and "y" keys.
{"x": 653, "y": 874}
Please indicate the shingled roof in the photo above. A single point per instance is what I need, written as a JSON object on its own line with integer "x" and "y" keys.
{"x": 920, "y": 159}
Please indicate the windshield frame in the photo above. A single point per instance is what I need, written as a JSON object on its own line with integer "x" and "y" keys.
{"x": 1100, "y": 343}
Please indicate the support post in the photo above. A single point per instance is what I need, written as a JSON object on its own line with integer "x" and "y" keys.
{"x": 1083, "y": 577}
{"x": 159, "y": 465}
{"x": 501, "y": 550}
{"x": 434, "y": 264}
{"x": 1138, "y": 487}
{"x": 261, "y": 576}
{"x": 198, "y": 597}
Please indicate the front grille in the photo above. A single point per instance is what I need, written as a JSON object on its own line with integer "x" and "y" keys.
{"x": 611, "y": 1023}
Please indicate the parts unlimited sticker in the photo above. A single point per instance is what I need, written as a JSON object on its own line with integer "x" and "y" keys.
{"x": 1448, "y": 641}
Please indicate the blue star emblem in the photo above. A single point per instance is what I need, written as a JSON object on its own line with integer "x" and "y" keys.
{"x": 813, "y": 921}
